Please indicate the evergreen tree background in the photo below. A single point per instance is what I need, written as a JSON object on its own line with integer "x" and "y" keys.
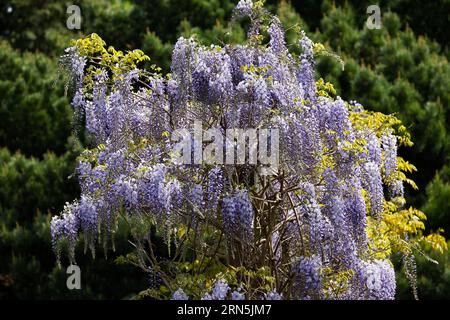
{"x": 401, "y": 68}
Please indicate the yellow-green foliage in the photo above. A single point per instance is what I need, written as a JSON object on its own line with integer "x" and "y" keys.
{"x": 115, "y": 61}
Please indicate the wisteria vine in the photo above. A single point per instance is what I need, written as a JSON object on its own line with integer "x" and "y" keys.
{"x": 323, "y": 226}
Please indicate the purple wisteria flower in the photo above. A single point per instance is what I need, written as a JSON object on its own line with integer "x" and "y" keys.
{"x": 244, "y": 7}
{"x": 219, "y": 291}
{"x": 179, "y": 295}
{"x": 237, "y": 215}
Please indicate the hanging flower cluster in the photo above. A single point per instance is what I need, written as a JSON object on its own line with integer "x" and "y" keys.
{"x": 322, "y": 226}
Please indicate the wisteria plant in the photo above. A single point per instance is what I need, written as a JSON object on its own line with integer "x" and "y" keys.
{"x": 323, "y": 225}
